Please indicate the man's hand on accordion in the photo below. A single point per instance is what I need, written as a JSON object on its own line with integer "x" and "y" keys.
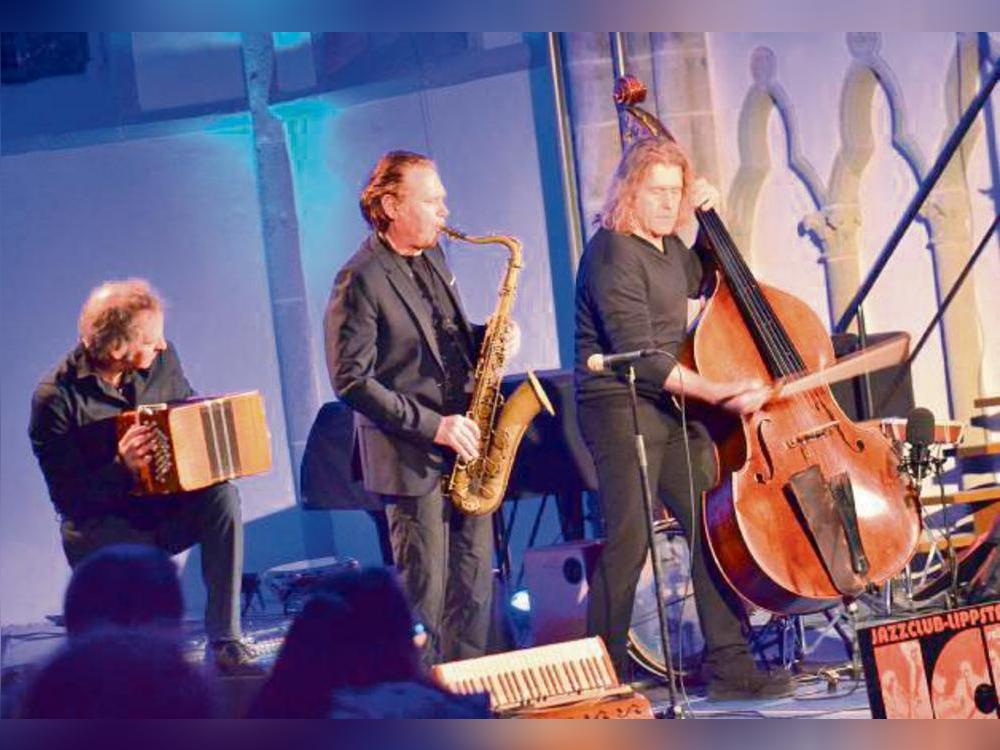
{"x": 136, "y": 447}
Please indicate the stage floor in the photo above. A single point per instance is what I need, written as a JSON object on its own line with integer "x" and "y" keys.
{"x": 812, "y": 700}
{"x": 29, "y": 645}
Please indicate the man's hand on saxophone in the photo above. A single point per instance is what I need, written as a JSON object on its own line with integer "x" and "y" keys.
{"x": 511, "y": 339}
{"x": 461, "y": 434}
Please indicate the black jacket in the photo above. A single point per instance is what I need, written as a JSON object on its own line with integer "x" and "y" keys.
{"x": 383, "y": 359}
{"x": 74, "y": 438}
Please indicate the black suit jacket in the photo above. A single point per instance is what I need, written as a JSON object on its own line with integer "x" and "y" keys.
{"x": 384, "y": 362}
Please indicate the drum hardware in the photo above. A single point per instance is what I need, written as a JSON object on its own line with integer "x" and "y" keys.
{"x": 292, "y": 583}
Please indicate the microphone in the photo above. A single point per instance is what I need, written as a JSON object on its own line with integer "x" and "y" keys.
{"x": 919, "y": 438}
{"x": 602, "y": 362}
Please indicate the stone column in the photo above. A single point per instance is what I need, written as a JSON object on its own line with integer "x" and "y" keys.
{"x": 949, "y": 215}
{"x": 837, "y": 229}
{"x": 842, "y": 210}
{"x": 682, "y": 92}
{"x": 590, "y": 81}
{"x": 289, "y": 308}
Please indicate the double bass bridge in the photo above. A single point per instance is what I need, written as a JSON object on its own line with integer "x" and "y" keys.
{"x": 813, "y": 433}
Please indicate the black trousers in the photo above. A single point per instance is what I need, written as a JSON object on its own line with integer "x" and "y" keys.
{"x": 608, "y": 430}
{"x": 445, "y": 562}
{"x": 209, "y": 517}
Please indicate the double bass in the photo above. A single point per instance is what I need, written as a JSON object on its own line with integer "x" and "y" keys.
{"x": 810, "y": 508}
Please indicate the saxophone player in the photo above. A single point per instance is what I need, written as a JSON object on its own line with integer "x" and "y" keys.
{"x": 401, "y": 353}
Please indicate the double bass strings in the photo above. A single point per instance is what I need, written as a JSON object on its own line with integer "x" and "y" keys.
{"x": 779, "y": 349}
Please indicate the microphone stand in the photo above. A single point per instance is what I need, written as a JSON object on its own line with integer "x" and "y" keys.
{"x": 934, "y": 465}
{"x": 676, "y": 710}
{"x": 916, "y": 471}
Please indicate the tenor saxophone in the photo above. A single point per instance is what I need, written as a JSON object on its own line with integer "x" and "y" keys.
{"x": 477, "y": 487}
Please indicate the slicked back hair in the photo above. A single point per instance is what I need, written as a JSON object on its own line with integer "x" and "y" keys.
{"x": 385, "y": 179}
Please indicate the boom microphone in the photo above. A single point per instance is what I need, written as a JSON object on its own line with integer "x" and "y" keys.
{"x": 602, "y": 362}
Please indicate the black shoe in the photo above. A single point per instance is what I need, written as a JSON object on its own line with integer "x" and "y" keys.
{"x": 732, "y": 676}
{"x": 752, "y": 686}
{"x": 233, "y": 659}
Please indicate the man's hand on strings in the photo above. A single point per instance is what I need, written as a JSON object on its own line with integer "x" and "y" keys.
{"x": 705, "y": 195}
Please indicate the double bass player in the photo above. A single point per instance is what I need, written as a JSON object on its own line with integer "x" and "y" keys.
{"x": 634, "y": 280}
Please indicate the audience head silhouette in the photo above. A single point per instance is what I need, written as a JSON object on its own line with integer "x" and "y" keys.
{"x": 355, "y": 631}
{"x": 377, "y": 634}
{"x": 125, "y": 585}
{"x": 115, "y": 673}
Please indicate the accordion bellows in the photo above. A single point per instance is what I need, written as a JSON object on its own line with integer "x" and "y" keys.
{"x": 202, "y": 441}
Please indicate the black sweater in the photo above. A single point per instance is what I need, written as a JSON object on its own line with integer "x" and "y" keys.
{"x": 631, "y": 296}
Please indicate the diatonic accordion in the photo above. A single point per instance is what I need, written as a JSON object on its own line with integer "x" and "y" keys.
{"x": 202, "y": 441}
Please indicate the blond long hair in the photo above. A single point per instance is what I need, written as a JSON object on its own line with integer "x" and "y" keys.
{"x": 618, "y": 212}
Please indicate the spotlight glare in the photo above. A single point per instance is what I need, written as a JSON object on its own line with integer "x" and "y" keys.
{"x": 521, "y": 601}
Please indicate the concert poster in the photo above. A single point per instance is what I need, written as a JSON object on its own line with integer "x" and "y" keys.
{"x": 937, "y": 666}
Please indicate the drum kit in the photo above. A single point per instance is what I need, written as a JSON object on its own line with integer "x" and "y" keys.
{"x": 644, "y": 643}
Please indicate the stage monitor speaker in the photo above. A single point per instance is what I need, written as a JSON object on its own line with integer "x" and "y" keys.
{"x": 558, "y": 579}
{"x": 943, "y": 665}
